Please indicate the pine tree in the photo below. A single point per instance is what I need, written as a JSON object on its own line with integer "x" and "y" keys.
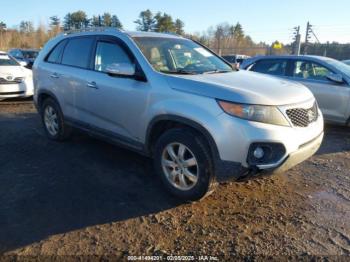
{"x": 179, "y": 27}
{"x": 146, "y": 21}
{"x": 116, "y": 22}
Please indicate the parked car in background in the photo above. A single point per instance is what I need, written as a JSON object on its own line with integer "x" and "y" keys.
{"x": 346, "y": 62}
{"x": 15, "y": 80}
{"x": 172, "y": 99}
{"x": 27, "y": 56}
{"x": 328, "y": 79}
{"x": 235, "y": 60}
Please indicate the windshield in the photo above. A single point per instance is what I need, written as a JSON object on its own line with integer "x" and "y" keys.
{"x": 5, "y": 60}
{"x": 340, "y": 66}
{"x": 30, "y": 54}
{"x": 180, "y": 56}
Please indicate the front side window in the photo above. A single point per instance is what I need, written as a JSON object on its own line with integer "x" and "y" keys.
{"x": 276, "y": 67}
{"x": 6, "y": 60}
{"x": 310, "y": 70}
{"x": 77, "y": 52}
{"x": 180, "y": 56}
{"x": 107, "y": 54}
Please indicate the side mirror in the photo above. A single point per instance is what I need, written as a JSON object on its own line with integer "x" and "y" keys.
{"x": 23, "y": 63}
{"x": 338, "y": 78}
{"x": 121, "y": 69}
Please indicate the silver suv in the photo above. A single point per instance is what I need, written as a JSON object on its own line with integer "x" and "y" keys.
{"x": 175, "y": 101}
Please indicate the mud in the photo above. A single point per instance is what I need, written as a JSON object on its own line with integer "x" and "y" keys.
{"x": 86, "y": 197}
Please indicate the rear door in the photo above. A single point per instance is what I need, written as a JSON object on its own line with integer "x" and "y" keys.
{"x": 332, "y": 97}
{"x": 72, "y": 75}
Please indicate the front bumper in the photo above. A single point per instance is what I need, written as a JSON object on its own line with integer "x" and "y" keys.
{"x": 235, "y": 136}
{"x": 24, "y": 89}
{"x": 235, "y": 171}
{"x": 304, "y": 152}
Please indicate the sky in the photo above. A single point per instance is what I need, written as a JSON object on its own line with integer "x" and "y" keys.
{"x": 263, "y": 20}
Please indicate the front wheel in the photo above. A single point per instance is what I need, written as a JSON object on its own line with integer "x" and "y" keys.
{"x": 183, "y": 161}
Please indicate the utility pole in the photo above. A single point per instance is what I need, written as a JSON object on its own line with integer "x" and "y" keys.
{"x": 307, "y": 36}
{"x": 297, "y": 41}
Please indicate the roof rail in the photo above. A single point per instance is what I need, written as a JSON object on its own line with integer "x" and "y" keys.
{"x": 91, "y": 29}
{"x": 171, "y": 33}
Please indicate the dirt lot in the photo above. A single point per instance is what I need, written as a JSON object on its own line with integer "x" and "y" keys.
{"x": 85, "y": 197}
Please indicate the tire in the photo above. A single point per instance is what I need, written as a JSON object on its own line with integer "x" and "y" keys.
{"x": 191, "y": 144}
{"x": 62, "y": 131}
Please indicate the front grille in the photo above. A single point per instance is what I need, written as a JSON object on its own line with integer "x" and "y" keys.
{"x": 16, "y": 80}
{"x": 302, "y": 117}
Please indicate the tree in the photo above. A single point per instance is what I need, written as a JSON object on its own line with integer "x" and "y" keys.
{"x": 237, "y": 32}
{"x": 67, "y": 22}
{"x": 76, "y": 20}
{"x": 219, "y": 34}
{"x": 146, "y": 21}
{"x": 164, "y": 23}
{"x": 2, "y": 26}
{"x": 116, "y": 22}
{"x": 179, "y": 27}
{"x": 96, "y": 21}
{"x": 55, "y": 26}
{"x": 107, "y": 19}
{"x": 55, "y": 21}
{"x": 26, "y": 27}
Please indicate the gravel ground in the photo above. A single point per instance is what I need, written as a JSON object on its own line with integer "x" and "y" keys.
{"x": 86, "y": 197}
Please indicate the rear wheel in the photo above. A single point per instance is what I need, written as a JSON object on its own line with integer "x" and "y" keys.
{"x": 53, "y": 122}
{"x": 183, "y": 162}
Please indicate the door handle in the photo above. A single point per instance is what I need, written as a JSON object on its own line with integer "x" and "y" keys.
{"x": 54, "y": 75}
{"x": 92, "y": 85}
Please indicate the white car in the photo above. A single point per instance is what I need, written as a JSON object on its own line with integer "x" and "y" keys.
{"x": 15, "y": 80}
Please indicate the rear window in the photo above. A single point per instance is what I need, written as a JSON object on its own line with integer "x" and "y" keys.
{"x": 272, "y": 67}
{"x": 77, "y": 52}
{"x": 54, "y": 56}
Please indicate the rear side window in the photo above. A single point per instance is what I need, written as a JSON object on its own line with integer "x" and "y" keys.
{"x": 272, "y": 67}
{"x": 77, "y": 52}
{"x": 55, "y": 55}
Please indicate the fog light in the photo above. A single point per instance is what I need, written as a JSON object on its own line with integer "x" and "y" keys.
{"x": 259, "y": 152}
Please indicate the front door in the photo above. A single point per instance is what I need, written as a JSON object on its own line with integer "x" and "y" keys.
{"x": 116, "y": 104}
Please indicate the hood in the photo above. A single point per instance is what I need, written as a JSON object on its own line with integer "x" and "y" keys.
{"x": 242, "y": 87}
{"x": 14, "y": 71}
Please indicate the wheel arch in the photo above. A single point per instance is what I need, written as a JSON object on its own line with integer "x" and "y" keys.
{"x": 42, "y": 96}
{"x": 160, "y": 124}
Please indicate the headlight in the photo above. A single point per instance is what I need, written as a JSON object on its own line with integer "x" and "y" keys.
{"x": 265, "y": 114}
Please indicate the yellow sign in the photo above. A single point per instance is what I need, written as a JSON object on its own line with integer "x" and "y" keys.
{"x": 277, "y": 45}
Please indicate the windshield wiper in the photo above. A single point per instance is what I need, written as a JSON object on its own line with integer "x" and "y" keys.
{"x": 179, "y": 72}
{"x": 217, "y": 71}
